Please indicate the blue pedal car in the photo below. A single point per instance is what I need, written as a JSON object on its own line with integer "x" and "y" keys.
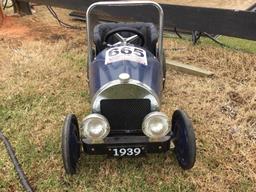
{"x": 126, "y": 71}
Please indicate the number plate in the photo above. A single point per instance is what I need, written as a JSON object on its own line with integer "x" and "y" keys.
{"x": 126, "y": 151}
{"x": 128, "y": 53}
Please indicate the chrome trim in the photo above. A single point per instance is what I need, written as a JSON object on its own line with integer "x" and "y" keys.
{"x": 152, "y": 115}
{"x": 124, "y": 77}
{"x": 144, "y": 92}
{"x": 93, "y": 116}
{"x": 156, "y": 113}
{"x": 125, "y": 3}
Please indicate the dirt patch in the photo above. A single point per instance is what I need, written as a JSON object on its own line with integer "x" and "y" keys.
{"x": 15, "y": 27}
{"x": 12, "y": 27}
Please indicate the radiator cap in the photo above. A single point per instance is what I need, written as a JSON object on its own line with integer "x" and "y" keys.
{"x": 124, "y": 77}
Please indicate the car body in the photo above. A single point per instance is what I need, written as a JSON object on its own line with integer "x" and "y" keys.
{"x": 126, "y": 71}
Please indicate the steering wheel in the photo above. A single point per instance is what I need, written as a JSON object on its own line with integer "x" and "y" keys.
{"x": 124, "y": 40}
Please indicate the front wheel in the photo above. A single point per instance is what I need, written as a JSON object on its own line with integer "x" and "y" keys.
{"x": 71, "y": 148}
{"x": 183, "y": 139}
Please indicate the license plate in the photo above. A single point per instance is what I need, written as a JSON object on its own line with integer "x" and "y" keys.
{"x": 126, "y": 151}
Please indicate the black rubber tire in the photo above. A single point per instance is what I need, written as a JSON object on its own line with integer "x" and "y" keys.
{"x": 70, "y": 146}
{"x": 183, "y": 139}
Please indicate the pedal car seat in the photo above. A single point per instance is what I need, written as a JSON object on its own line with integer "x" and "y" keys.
{"x": 148, "y": 30}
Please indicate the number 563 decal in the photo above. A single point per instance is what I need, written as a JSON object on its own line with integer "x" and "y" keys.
{"x": 128, "y": 53}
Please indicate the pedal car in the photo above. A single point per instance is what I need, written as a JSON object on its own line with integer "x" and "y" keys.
{"x": 126, "y": 71}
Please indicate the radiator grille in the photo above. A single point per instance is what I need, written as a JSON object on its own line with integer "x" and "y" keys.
{"x": 125, "y": 116}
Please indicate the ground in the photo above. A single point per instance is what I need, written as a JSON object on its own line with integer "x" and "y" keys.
{"x": 43, "y": 78}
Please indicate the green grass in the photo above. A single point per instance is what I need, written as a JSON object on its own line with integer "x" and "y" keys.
{"x": 236, "y": 43}
{"x": 232, "y": 43}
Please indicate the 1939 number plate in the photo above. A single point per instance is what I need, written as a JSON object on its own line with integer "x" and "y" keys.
{"x": 126, "y": 151}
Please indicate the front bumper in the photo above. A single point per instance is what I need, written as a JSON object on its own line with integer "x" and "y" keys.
{"x": 160, "y": 146}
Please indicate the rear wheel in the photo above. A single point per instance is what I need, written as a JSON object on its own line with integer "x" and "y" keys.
{"x": 71, "y": 148}
{"x": 183, "y": 139}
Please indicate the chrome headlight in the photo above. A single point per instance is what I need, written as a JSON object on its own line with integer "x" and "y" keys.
{"x": 156, "y": 125}
{"x": 95, "y": 127}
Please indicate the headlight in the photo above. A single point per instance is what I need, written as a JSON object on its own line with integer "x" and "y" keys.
{"x": 156, "y": 125}
{"x": 95, "y": 127}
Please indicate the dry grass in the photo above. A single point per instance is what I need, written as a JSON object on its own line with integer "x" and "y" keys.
{"x": 223, "y": 111}
{"x": 44, "y": 79}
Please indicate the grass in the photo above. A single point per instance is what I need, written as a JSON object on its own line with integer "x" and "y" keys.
{"x": 43, "y": 80}
{"x": 236, "y": 43}
{"x": 232, "y": 43}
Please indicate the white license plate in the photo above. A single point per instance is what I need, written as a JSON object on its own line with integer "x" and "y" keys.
{"x": 126, "y": 151}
